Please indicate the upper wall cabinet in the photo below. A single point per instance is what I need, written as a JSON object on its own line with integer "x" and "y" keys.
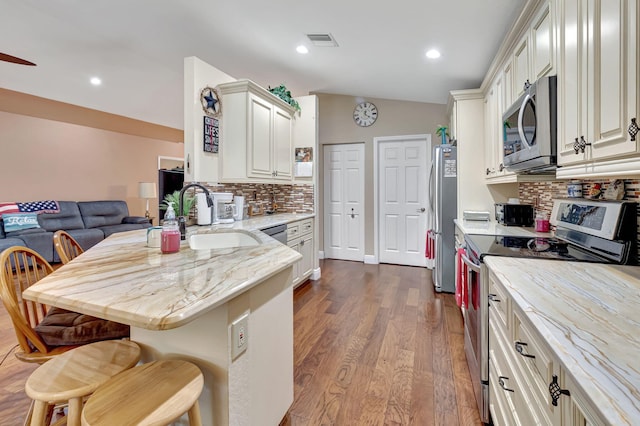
{"x": 598, "y": 88}
{"x": 256, "y": 136}
{"x": 534, "y": 55}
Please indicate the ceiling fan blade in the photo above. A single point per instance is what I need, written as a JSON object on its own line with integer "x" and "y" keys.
{"x": 13, "y": 59}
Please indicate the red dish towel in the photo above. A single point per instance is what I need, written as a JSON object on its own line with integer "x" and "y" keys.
{"x": 430, "y": 245}
{"x": 462, "y": 297}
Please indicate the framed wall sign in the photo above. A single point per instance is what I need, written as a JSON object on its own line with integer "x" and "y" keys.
{"x": 303, "y": 166}
{"x": 211, "y": 134}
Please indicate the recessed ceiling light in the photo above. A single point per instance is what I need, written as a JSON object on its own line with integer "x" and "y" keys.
{"x": 95, "y": 81}
{"x": 302, "y": 49}
{"x": 433, "y": 54}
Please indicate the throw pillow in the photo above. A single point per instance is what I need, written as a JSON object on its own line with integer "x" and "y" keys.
{"x": 20, "y": 221}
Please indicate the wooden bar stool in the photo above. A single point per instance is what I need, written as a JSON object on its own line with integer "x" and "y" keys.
{"x": 75, "y": 375}
{"x": 156, "y": 393}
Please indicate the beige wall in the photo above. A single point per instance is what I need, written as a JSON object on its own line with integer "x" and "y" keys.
{"x": 395, "y": 118}
{"x": 48, "y": 159}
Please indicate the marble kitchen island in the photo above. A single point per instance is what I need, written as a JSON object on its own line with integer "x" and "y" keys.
{"x": 182, "y": 305}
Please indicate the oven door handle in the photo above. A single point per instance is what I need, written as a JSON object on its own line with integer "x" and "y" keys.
{"x": 475, "y": 268}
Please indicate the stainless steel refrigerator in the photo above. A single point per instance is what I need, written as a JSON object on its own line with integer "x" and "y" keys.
{"x": 443, "y": 205}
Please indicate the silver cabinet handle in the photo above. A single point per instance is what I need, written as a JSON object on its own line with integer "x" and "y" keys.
{"x": 521, "y": 350}
{"x": 502, "y": 384}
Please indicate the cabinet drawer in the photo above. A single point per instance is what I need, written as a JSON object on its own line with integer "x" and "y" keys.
{"x": 536, "y": 363}
{"x": 499, "y": 304}
{"x": 293, "y": 230}
{"x": 306, "y": 226}
{"x": 506, "y": 386}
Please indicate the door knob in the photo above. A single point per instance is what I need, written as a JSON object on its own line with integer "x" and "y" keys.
{"x": 353, "y": 215}
{"x": 421, "y": 210}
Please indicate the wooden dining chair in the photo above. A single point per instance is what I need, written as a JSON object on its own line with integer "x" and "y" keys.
{"x": 66, "y": 246}
{"x": 20, "y": 268}
{"x": 45, "y": 332}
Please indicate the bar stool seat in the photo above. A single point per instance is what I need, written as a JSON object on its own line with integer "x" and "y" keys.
{"x": 156, "y": 393}
{"x": 76, "y": 374}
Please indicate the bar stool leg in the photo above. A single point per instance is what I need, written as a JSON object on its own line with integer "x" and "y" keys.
{"x": 194, "y": 415}
{"x": 40, "y": 409}
{"x": 75, "y": 412}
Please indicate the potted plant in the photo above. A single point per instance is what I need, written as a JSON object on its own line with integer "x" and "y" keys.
{"x": 175, "y": 199}
{"x": 442, "y": 132}
{"x": 284, "y": 94}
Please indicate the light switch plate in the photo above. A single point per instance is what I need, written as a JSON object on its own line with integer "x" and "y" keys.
{"x": 239, "y": 335}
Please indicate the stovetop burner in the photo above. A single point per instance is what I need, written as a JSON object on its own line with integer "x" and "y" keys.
{"x": 533, "y": 247}
{"x": 538, "y": 244}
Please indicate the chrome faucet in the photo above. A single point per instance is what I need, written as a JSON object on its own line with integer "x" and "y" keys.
{"x": 182, "y": 220}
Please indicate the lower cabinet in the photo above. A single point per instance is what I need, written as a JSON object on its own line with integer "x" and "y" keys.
{"x": 523, "y": 371}
{"x": 300, "y": 239}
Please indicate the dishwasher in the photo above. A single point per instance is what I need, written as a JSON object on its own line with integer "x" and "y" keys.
{"x": 279, "y": 232}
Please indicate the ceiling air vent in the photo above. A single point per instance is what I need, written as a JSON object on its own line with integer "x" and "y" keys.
{"x": 323, "y": 40}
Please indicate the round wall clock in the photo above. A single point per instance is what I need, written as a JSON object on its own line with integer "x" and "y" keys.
{"x": 211, "y": 104}
{"x": 365, "y": 114}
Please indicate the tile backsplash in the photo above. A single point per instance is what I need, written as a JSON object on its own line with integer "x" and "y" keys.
{"x": 541, "y": 194}
{"x": 288, "y": 198}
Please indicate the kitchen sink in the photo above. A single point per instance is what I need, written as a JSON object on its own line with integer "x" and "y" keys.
{"x": 219, "y": 240}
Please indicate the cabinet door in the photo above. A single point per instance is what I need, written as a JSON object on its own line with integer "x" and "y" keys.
{"x": 295, "y": 245}
{"x": 507, "y": 85}
{"x": 282, "y": 146}
{"x": 572, "y": 80}
{"x": 490, "y": 151}
{"x": 615, "y": 53}
{"x": 521, "y": 66}
{"x": 576, "y": 409}
{"x": 259, "y": 138}
{"x": 542, "y": 39}
{"x": 306, "y": 250}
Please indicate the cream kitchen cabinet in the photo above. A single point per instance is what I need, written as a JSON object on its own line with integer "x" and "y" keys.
{"x": 598, "y": 88}
{"x": 467, "y": 126}
{"x": 522, "y": 369}
{"x": 534, "y": 55}
{"x": 255, "y": 134}
{"x": 494, "y": 106}
{"x": 300, "y": 239}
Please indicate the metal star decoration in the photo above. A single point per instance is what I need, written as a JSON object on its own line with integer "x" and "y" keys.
{"x": 210, "y": 101}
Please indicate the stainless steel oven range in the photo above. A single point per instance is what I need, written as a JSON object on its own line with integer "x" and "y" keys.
{"x": 586, "y": 231}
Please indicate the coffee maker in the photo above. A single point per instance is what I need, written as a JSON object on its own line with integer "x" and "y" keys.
{"x": 223, "y": 207}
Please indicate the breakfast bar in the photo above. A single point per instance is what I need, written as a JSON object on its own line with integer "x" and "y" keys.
{"x": 183, "y": 305}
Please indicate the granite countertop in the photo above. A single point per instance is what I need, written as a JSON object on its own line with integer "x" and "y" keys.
{"x": 493, "y": 228}
{"x": 588, "y": 313}
{"x": 123, "y": 280}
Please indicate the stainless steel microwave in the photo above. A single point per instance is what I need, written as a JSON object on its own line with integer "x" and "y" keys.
{"x": 530, "y": 129}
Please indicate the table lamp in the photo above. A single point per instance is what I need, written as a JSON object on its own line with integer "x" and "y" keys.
{"x": 147, "y": 190}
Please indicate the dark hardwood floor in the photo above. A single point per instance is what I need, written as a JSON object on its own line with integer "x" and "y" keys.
{"x": 374, "y": 345}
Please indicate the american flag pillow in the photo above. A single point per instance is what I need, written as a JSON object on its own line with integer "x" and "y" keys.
{"x": 46, "y": 206}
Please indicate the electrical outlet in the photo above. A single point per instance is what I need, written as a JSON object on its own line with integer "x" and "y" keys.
{"x": 239, "y": 335}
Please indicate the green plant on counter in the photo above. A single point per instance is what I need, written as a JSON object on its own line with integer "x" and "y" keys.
{"x": 175, "y": 199}
{"x": 284, "y": 94}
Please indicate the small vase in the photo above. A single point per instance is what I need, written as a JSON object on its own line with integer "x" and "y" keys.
{"x": 444, "y": 138}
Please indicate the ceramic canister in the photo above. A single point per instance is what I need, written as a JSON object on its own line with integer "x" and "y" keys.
{"x": 574, "y": 190}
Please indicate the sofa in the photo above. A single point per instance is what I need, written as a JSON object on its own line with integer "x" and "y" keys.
{"x": 88, "y": 222}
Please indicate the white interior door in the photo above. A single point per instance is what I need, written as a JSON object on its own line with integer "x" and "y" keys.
{"x": 344, "y": 201}
{"x": 402, "y": 199}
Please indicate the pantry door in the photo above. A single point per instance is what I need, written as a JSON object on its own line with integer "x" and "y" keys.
{"x": 402, "y": 198}
{"x": 344, "y": 201}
